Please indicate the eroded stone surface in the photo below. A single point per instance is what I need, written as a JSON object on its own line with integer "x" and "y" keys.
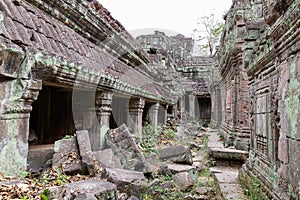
{"x": 183, "y": 180}
{"x": 67, "y": 156}
{"x": 107, "y": 158}
{"x": 126, "y": 149}
{"x": 130, "y": 182}
{"x": 176, "y": 154}
{"x": 87, "y": 189}
{"x": 85, "y": 151}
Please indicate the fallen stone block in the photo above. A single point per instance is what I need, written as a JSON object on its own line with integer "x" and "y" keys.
{"x": 125, "y": 148}
{"x": 177, "y": 168}
{"x": 173, "y": 168}
{"x": 107, "y": 158}
{"x": 183, "y": 180}
{"x": 203, "y": 190}
{"x": 176, "y": 154}
{"x": 67, "y": 156}
{"x": 229, "y": 154}
{"x": 127, "y": 181}
{"x": 82, "y": 190}
{"x": 85, "y": 151}
{"x": 39, "y": 156}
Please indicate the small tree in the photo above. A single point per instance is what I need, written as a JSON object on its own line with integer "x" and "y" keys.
{"x": 207, "y": 34}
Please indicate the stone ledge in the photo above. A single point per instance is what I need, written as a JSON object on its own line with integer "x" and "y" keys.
{"x": 229, "y": 154}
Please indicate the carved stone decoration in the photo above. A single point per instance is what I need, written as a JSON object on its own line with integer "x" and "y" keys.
{"x": 136, "y": 106}
{"x": 272, "y": 10}
{"x": 103, "y": 112}
{"x": 16, "y": 98}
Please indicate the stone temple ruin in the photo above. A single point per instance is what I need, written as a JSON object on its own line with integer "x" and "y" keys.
{"x": 69, "y": 66}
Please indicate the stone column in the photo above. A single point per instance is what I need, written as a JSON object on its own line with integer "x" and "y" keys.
{"x": 103, "y": 111}
{"x": 153, "y": 115}
{"x": 192, "y": 106}
{"x": 135, "y": 119}
{"x": 165, "y": 113}
{"x": 16, "y": 97}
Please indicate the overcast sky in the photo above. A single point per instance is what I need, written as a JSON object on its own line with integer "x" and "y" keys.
{"x": 177, "y": 16}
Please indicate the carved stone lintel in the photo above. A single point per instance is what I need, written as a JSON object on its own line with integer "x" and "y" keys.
{"x": 19, "y": 95}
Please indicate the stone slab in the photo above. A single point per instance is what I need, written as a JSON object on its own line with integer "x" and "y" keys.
{"x": 177, "y": 168}
{"x": 38, "y": 157}
{"x": 85, "y": 150}
{"x": 232, "y": 191}
{"x": 67, "y": 156}
{"x": 183, "y": 180}
{"x": 107, "y": 158}
{"x": 225, "y": 174}
{"x": 88, "y": 189}
{"x": 228, "y": 154}
{"x": 176, "y": 154}
{"x": 126, "y": 149}
{"x": 127, "y": 181}
{"x": 123, "y": 176}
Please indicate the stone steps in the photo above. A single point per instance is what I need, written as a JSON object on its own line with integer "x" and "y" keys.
{"x": 228, "y": 164}
{"x": 227, "y": 179}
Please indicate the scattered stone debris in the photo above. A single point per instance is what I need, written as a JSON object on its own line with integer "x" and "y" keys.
{"x": 124, "y": 146}
{"x": 107, "y": 158}
{"x": 87, "y": 189}
{"x": 66, "y": 156}
{"x": 79, "y": 173}
{"x": 127, "y": 181}
{"x": 176, "y": 154}
{"x": 184, "y": 180}
{"x": 86, "y": 154}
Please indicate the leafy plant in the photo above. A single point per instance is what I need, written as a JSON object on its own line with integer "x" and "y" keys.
{"x": 44, "y": 194}
{"x": 205, "y": 139}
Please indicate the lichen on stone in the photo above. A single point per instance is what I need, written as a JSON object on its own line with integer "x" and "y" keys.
{"x": 292, "y": 102}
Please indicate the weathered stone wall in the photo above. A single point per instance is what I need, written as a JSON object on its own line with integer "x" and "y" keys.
{"x": 273, "y": 67}
{"x": 178, "y": 47}
{"x": 195, "y": 71}
{"x": 243, "y": 24}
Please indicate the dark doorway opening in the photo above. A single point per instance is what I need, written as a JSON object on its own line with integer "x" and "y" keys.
{"x": 119, "y": 112}
{"x": 51, "y": 117}
{"x": 204, "y": 112}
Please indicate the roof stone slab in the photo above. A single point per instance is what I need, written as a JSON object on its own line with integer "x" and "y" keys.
{"x": 65, "y": 42}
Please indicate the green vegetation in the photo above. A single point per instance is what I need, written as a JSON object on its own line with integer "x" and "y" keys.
{"x": 255, "y": 189}
{"x": 152, "y": 138}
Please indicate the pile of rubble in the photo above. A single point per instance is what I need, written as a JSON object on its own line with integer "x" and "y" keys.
{"x": 121, "y": 171}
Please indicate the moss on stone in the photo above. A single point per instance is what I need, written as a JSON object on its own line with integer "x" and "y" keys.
{"x": 292, "y": 102}
{"x": 16, "y": 164}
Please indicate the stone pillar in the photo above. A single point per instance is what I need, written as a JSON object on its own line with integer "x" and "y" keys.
{"x": 153, "y": 115}
{"x": 16, "y": 97}
{"x": 135, "y": 119}
{"x": 173, "y": 111}
{"x": 192, "y": 106}
{"x": 103, "y": 112}
{"x": 166, "y": 113}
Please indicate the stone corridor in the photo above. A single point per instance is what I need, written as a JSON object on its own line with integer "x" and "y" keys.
{"x": 70, "y": 71}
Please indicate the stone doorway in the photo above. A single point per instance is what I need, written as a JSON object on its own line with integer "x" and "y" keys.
{"x": 51, "y": 117}
{"x": 204, "y": 111}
